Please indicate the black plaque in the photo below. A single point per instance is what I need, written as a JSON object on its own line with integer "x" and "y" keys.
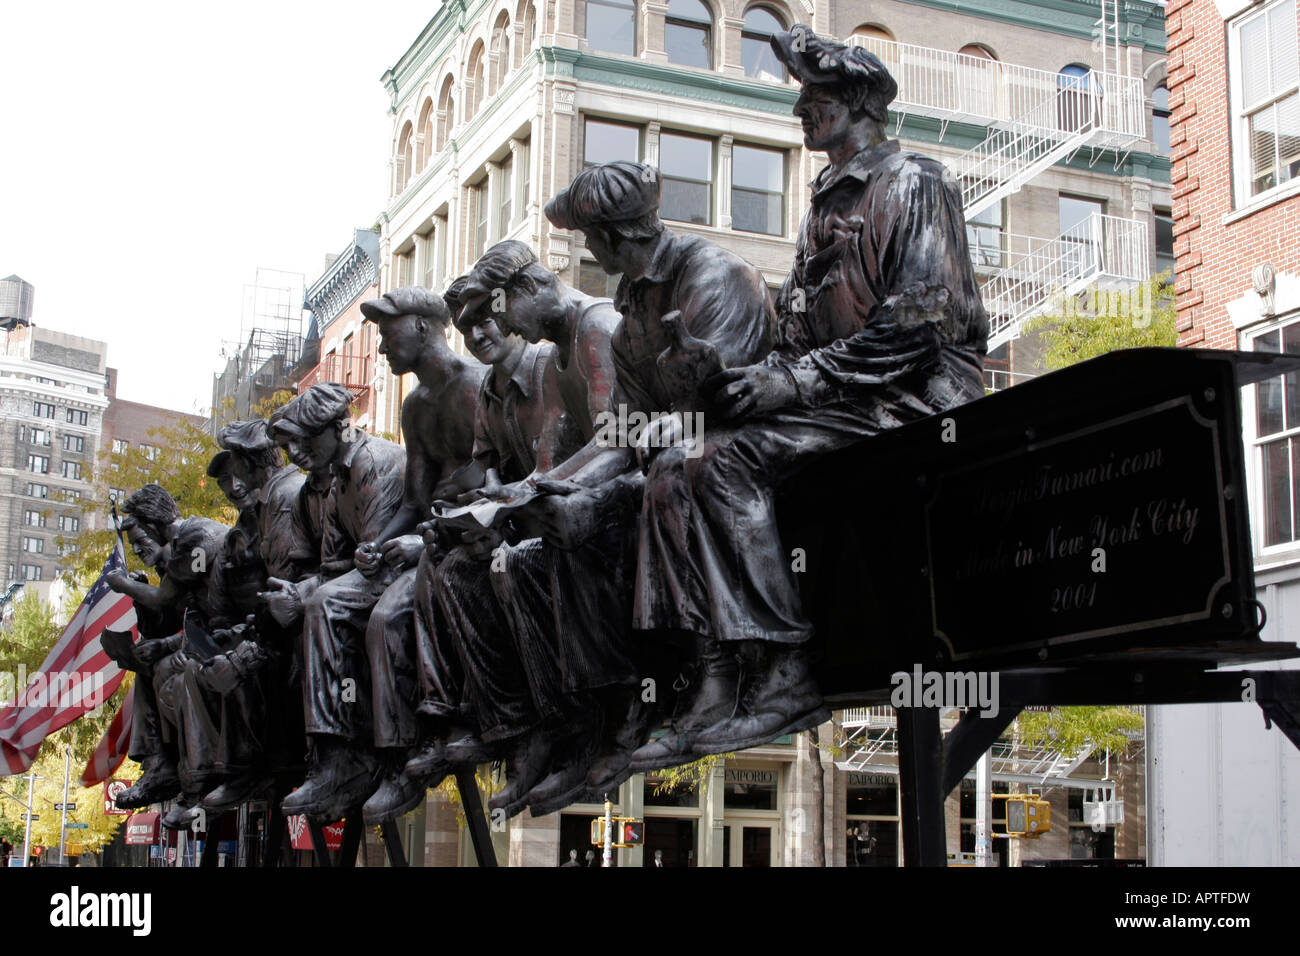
{"x": 1113, "y": 528}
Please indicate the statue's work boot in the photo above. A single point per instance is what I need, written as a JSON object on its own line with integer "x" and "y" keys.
{"x": 526, "y": 765}
{"x": 428, "y": 761}
{"x": 715, "y": 700}
{"x": 397, "y": 794}
{"x": 567, "y": 780}
{"x": 339, "y": 775}
{"x": 159, "y": 782}
{"x": 183, "y": 812}
{"x": 471, "y": 749}
{"x": 239, "y": 790}
{"x": 613, "y": 764}
{"x": 782, "y": 699}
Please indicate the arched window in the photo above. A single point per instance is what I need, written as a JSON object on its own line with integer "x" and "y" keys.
{"x": 1074, "y": 108}
{"x": 405, "y": 148}
{"x": 502, "y": 67}
{"x": 446, "y": 111}
{"x": 873, "y": 37}
{"x": 426, "y": 133}
{"x": 1160, "y": 119}
{"x": 611, "y": 26}
{"x": 530, "y": 28}
{"x": 476, "y": 79}
{"x": 760, "y": 61}
{"x": 688, "y": 33}
{"x": 979, "y": 81}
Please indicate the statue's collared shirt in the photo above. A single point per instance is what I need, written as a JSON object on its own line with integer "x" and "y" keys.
{"x": 508, "y": 428}
{"x": 723, "y": 301}
{"x": 364, "y": 496}
{"x": 880, "y": 284}
{"x": 281, "y": 538}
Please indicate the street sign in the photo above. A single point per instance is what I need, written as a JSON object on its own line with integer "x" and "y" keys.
{"x": 17, "y": 861}
{"x": 111, "y": 790}
{"x": 65, "y": 806}
{"x": 33, "y": 817}
{"x": 78, "y": 826}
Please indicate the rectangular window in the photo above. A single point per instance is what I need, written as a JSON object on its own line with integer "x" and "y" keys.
{"x": 149, "y": 451}
{"x": 521, "y": 196}
{"x": 72, "y": 469}
{"x": 74, "y": 443}
{"x": 758, "y": 190}
{"x": 38, "y": 464}
{"x": 506, "y": 190}
{"x": 31, "y": 572}
{"x": 984, "y": 236}
{"x": 37, "y": 491}
{"x": 42, "y": 409}
{"x": 604, "y": 142}
{"x": 76, "y": 416}
{"x": 593, "y": 280}
{"x": 120, "y": 445}
{"x": 1277, "y": 441}
{"x": 428, "y": 251}
{"x": 1164, "y": 239}
{"x": 34, "y": 518}
{"x": 69, "y": 494}
{"x": 34, "y": 545}
{"x": 70, "y": 523}
{"x": 1265, "y": 90}
{"x": 1081, "y": 234}
{"x": 367, "y": 350}
{"x": 482, "y": 213}
{"x": 611, "y": 26}
{"x": 686, "y": 163}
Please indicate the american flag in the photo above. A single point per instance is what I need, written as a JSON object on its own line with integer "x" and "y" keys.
{"x": 112, "y": 747}
{"x": 76, "y": 677}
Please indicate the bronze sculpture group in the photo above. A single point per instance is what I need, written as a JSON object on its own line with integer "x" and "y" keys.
{"x": 512, "y": 585}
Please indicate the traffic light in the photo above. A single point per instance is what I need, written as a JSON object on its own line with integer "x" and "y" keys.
{"x": 633, "y": 833}
{"x": 628, "y": 831}
{"x": 1028, "y": 816}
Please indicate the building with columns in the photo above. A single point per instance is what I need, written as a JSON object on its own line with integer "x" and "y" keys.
{"x": 1052, "y": 114}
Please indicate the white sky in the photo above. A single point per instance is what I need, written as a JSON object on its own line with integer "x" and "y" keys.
{"x": 154, "y": 154}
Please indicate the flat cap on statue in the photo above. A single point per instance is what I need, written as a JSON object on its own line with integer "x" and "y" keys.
{"x": 248, "y": 437}
{"x": 814, "y": 60}
{"x": 610, "y": 192}
{"x": 494, "y": 270}
{"x": 310, "y": 413}
{"x": 407, "y": 300}
{"x": 220, "y": 464}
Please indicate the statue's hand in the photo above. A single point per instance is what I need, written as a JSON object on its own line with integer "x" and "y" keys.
{"x": 660, "y": 433}
{"x": 738, "y": 392}
{"x": 403, "y": 552}
{"x": 282, "y": 601}
{"x": 367, "y": 558}
{"x": 567, "y": 514}
{"x": 151, "y": 652}
{"x": 117, "y": 580}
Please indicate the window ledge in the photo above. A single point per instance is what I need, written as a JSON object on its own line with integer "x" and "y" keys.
{"x": 1264, "y": 201}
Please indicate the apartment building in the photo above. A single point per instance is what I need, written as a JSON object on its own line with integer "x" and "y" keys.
{"x": 1053, "y": 115}
{"x": 340, "y": 346}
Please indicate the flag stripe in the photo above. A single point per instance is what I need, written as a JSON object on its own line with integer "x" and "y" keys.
{"x": 76, "y": 659}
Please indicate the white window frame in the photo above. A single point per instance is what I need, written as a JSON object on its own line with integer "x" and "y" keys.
{"x": 1251, "y": 441}
{"x": 1241, "y": 112}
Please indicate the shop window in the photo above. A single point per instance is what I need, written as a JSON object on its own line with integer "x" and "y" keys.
{"x": 680, "y": 797}
{"x": 750, "y": 789}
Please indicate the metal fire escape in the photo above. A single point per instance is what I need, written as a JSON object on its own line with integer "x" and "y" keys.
{"x": 871, "y": 745}
{"x": 1034, "y": 118}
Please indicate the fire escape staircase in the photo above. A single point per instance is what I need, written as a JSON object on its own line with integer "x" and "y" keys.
{"x": 1034, "y": 119}
{"x": 871, "y": 746}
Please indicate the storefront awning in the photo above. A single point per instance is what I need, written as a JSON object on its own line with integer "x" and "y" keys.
{"x": 142, "y": 829}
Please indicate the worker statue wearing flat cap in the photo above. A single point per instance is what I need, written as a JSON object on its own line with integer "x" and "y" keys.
{"x": 688, "y": 307}
{"x": 881, "y": 324}
{"x": 334, "y": 604}
{"x": 438, "y": 426}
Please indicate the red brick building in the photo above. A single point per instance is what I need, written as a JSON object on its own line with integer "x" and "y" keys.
{"x": 128, "y": 424}
{"x": 1217, "y": 780}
